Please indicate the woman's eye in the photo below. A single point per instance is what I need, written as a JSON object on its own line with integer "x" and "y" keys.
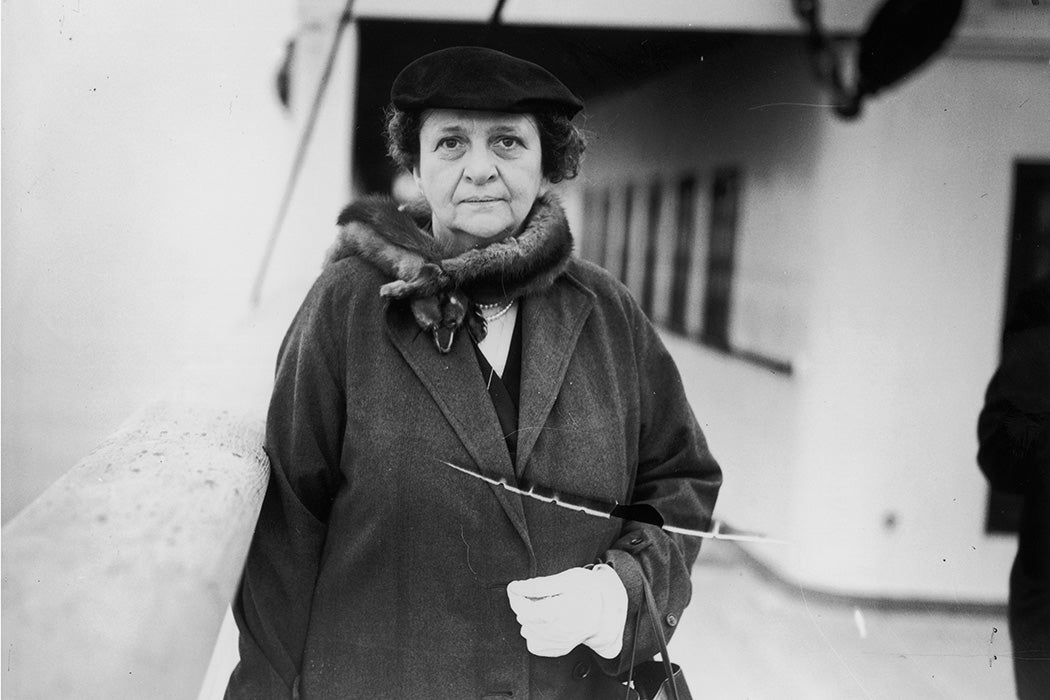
{"x": 448, "y": 143}
{"x": 507, "y": 142}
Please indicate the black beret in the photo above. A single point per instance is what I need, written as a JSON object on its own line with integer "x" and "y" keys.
{"x": 471, "y": 77}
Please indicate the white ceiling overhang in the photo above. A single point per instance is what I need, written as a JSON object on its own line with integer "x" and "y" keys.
{"x": 702, "y": 15}
{"x": 1005, "y": 27}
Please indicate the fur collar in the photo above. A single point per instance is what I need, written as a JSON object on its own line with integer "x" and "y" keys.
{"x": 443, "y": 290}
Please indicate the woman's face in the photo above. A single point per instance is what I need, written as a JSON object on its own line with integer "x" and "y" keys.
{"x": 480, "y": 172}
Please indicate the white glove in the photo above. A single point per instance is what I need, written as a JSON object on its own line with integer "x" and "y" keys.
{"x": 578, "y": 606}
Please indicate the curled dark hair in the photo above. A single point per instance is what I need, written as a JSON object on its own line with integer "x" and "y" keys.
{"x": 562, "y": 143}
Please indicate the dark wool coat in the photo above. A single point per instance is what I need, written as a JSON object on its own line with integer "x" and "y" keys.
{"x": 376, "y": 571}
{"x": 1014, "y": 431}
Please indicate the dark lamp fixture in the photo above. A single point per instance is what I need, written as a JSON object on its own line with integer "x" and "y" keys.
{"x": 900, "y": 37}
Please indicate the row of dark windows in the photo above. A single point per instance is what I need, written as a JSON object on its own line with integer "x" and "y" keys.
{"x": 722, "y": 193}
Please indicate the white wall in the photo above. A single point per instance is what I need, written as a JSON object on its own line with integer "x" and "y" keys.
{"x": 714, "y": 113}
{"x": 144, "y": 152}
{"x": 914, "y": 205}
{"x": 871, "y": 256}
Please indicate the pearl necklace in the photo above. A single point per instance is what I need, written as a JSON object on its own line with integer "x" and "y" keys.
{"x": 498, "y": 314}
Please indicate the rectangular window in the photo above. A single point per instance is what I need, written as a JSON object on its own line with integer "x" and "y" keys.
{"x": 652, "y": 234}
{"x": 685, "y": 224}
{"x": 725, "y": 189}
{"x": 588, "y": 244}
{"x": 604, "y": 204}
{"x": 625, "y": 251}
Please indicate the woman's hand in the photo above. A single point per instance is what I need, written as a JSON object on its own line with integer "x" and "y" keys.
{"x": 578, "y": 606}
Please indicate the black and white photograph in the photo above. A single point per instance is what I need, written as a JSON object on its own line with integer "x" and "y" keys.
{"x": 535, "y": 349}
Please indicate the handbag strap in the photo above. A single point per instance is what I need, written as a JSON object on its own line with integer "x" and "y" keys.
{"x": 650, "y": 605}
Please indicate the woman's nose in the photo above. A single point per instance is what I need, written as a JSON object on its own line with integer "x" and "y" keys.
{"x": 480, "y": 166}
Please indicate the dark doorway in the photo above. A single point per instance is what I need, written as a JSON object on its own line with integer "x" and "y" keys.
{"x": 590, "y": 62}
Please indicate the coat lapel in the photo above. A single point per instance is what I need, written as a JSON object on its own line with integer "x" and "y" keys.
{"x": 456, "y": 385}
{"x": 553, "y": 322}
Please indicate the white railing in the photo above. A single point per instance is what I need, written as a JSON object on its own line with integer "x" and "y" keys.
{"x": 117, "y": 578}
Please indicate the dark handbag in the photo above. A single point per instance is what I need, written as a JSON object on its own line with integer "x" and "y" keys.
{"x": 654, "y": 680}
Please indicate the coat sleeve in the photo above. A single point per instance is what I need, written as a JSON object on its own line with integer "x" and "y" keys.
{"x": 677, "y": 474}
{"x": 304, "y": 433}
{"x": 1014, "y": 425}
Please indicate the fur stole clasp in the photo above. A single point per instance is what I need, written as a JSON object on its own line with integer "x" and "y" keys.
{"x": 442, "y": 289}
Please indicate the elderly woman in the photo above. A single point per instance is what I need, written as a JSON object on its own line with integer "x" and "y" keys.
{"x": 460, "y": 330}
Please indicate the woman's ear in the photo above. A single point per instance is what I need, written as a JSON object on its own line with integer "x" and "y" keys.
{"x": 416, "y": 177}
{"x": 545, "y": 186}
